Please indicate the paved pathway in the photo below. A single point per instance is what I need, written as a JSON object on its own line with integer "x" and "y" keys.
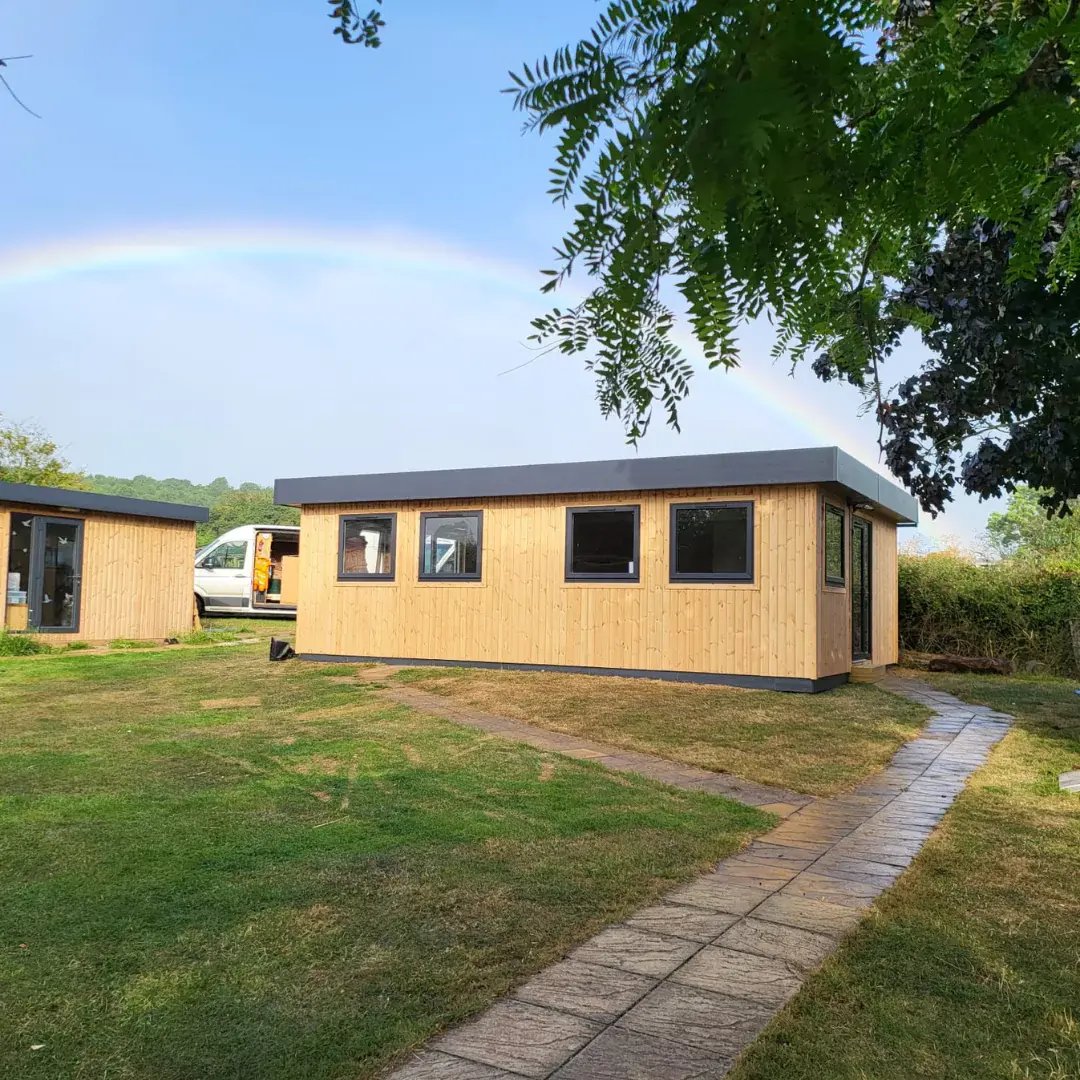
{"x": 775, "y": 800}
{"x": 681, "y": 988}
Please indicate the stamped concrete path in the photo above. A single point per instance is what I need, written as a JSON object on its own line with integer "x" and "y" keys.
{"x": 681, "y": 988}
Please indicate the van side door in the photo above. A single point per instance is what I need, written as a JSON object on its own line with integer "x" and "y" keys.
{"x": 224, "y": 574}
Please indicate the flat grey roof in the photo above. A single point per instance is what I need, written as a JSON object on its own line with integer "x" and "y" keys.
{"x": 816, "y": 465}
{"x": 69, "y": 499}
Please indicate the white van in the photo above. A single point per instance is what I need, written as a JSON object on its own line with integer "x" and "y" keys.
{"x": 252, "y": 569}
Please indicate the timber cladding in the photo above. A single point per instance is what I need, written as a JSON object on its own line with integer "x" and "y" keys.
{"x": 523, "y": 611}
{"x": 137, "y": 574}
{"x": 834, "y": 601}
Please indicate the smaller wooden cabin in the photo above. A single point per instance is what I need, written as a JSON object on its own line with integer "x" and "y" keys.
{"x": 80, "y": 566}
{"x": 772, "y": 569}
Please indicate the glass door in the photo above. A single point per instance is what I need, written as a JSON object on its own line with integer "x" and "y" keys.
{"x": 861, "y": 599}
{"x": 55, "y": 574}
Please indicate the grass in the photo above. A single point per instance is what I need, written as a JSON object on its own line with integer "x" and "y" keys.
{"x": 219, "y": 867}
{"x": 970, "y": 967}
{"x": 213, "y": 630}
{"x": 216, "y": 627}
{"x": 820, "y": 744}
{"x": 208, "y": 637}
{"x": 20, "y": 644}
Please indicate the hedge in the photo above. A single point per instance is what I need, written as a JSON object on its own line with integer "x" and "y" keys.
{"x": 1010, "y": 609}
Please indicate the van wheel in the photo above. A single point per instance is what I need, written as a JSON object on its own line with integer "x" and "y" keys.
{"x": 200, "y": 605}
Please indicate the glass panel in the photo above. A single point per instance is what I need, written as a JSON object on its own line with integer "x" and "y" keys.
{"x": 451, "y": 545}
{"x": 230, "y": 556}
{"x": 59, "y": 583}
{"x": 834, "y": 545}
{"x": 602, "y": 542}
{"x": 366, "y": 546}
{"x": 860, "y": 590}
{"x": 18, "y": 568}
{"x": 712, "y": 540}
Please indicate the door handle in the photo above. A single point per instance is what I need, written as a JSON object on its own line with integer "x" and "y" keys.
{"x": 239, "y": 575}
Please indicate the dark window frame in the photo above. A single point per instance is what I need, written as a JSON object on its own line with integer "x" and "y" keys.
{"x": 343, "y": 520}
{"x": 568, "y": 564}
{"x": 841, "y": 512}
{"x": 747, "y": 577}
{"x": 37, "y": 572}
{"x": 867, "y": 617}
{"x": 424, "y": 518}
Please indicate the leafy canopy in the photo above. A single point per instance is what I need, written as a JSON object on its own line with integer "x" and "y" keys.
{"x": 812, "y": 163}
{"x": 354, "y": 28}
{"x": 1003, "y": 381}
{"x": 759, "y": 158}
{"x": 29, "y": 456}
{"x": 248, "y": 504}
{"x": 1023, "y": 531}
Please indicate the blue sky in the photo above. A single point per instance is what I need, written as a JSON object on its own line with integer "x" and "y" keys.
{"x": 233, "y": 246}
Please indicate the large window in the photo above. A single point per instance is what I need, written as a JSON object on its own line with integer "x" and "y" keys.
{"x": 712, "y": 542}
{"x": 602, "y": 544}
{"x": 835, "y": 528}
{"x": 366, "y": 547}
{"x": 450, "y": 546}
{"x": 18, "y": 571}
{"x": 44, "y": 573}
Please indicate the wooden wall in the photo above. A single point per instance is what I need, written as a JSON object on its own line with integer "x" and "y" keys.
{"x": 834, "y": 602}
{"x": 523, "y": 611}
{"x": 885, "y": 623}
{"x": 137, "y": 575}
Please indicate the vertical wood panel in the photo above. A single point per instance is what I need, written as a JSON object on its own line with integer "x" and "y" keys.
{"x": 885, "y": 624}
{"x": 523, "y": 611}
{"x": 833, "y": 601}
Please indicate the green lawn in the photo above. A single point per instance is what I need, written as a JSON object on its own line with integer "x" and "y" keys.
{"x": 249, "y": 626}
{"x": 216, "y": 867}
{"x": 820, "y": 744}
{"x": 971, "y": 966}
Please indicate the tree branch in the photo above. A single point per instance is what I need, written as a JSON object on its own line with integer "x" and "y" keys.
{"x": 18, "y": 100}
{"x": 1025, "y": 82}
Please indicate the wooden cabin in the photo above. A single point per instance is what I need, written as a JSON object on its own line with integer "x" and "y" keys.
{"x": 772, "y": 569}
{"x": 87, "y": 567}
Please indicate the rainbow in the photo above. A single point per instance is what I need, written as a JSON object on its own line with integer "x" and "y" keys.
{"x": 45, "y": 263}
{"x": 48, "y": 262}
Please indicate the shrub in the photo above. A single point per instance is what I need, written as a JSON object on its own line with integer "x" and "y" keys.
{"x": 20, "y": 644}
{"x": 1010, "y": 609}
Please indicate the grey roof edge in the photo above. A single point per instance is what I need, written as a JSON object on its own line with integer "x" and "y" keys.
{"x": 811, "y": 465}
{"x": 70, "y": 499}
{"x": 862, "y": 480}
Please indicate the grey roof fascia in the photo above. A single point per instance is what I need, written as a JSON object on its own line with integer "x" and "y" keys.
{"x": 865, "y": 483}
{"x": 815, "y": 465}
{"x": 68, "y": 499}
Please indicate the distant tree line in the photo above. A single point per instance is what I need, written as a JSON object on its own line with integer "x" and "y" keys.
{"x": 29, "y": 456}
{"x": 247, "y": 504}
